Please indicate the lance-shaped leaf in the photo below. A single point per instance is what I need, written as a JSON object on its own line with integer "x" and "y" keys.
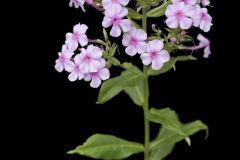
{"x": 107, "y": 147}
{"x": 166, "y": 139}
{"x": 136, "y": 94}
{"x": 110, "y": 88}
{"x": 170, "y": 64}
{"x": 158, "y": 11}
{"x": 133, "y": 14}
{"x": 168, "y": 119}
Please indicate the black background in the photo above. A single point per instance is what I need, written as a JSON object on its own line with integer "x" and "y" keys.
{"x": 55, "y": 115}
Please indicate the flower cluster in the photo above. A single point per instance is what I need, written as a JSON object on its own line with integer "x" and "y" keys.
{"x": 187, "y": 13}
{"x": 88, "y": 64}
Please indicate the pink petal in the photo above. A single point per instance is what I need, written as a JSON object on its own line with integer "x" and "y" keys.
{"x": 121, "y": 12}
{"x": 189, "y": 10}
{"x": 73, "y": 45}
{"x": 172, "y": 22}
{"x": 185, "y": 23}
{"x": 205, "y": 26}
{"x": 207, "y": 52}
{"x": 96, "y": 82}
{"x": 164, "y": 56}
{"x": 68, "y": 38}
{"x": 83, "y": 40}
{"x": 87, "y": 77}
{"x": 80, "y": 28}
{"x": 107, "y": 22}
{"x": 126, "y": 40}
{"x": 179, "y": 6}
{"x": 78, "y": 59}
{"x": 104, "y": 73}
{"x": 73, "y": 76}
{"x": 154, "y": 45}
{"x": 102, "y": 63}
{"x": 80, "y": 76}
{"x": 146, "y": 58}
{"x": 141, "y": 47}
{"x": 115, "y": 31}
{"x": 141, "y": 34}
{"x": 94, "y": 66}
{"x": 205, "y": 2}
{"x": 69, "y": 66}
{"x": 131, "y": 50}
{"x": 125, "y": 25}
{"x": 59, "y": 66}
{"x": 94, "y": 52}
{"x": 170, "y": 11}
{"x": 156, "y": 64}
{"x": 84, "y": 67}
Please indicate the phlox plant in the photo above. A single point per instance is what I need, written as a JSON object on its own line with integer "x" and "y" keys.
{"x": 91, "y": 60}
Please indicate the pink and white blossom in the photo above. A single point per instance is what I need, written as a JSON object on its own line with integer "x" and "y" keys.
{"x": 187, "y": 2}
{"x": 202, "y": 19}
{"x": 114, "y": 17}
{"x": 74, "y": 69}
{"x": 90, "y": 59}
{"x": 113, "y": 3}
{"x": 155, "y": 55}
{"x": 64, "y": 57}
{"x": 134, "y": 40}
{"x": 179, "y": 14}
{"x": 96, "y": 77}
{"x": 205, "y": 2}
{"x": 79, "y": 3}
{"x": 78, "y": 36}
{"x": 203, "y": 43}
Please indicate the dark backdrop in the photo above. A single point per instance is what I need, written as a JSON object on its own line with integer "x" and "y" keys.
{"x": 59, "y": 115}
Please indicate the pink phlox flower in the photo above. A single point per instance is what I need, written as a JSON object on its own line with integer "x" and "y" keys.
{"x": 204, "y": 43}
{"x": 64, "y": 57}
{"x": 112, "y": 3}
{"x": 114, "y": 17}
{"x": 202, "y": 18}
{"x": 155, "y": 55}
{"x": 79, "y": 3}
{"x": 96, "y": 77}
{"x": 179, "y": 14}
{"x": 204, "y": 2}
{"x": 187, "y": 2}
{"x": 78, "y": 36}
{"x": 90, "y": 59}
{"x": 134, "y": 40}
{"x": 74, "y": 69}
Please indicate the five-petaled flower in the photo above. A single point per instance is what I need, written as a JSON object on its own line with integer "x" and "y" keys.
{"x": 179, "y": 14}
{"x": 101, "y": 74}
{"x": 78, "y": 36}
{"x": 202, "y": 18}
{"x": 90, "y": 59}
{"x": 64, "y": 59}
{"x": 74, "y": 69}
{"x": 79, "y": 3}
{"x": 204, "y": 43}
{"x": 155, "y": 55}
{"x": 114, "y": 17}
{"x": 134, "y": 40}
{"x": 112, "y": 3}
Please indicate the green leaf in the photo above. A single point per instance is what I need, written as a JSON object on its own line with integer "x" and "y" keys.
{"x": 166, "y": 139}
{"x": 158, "y": 11}
{"x": 134, "y": 24}
{"x": 170, "y": 64}
{"x": 134, "y": 14}
{"x": 110, "y": 88}
{"x": 169, "y": 119}
{"x": 136, "y": 94}
{"x": 112, "y": 50}
{"x": 107, "y": 147}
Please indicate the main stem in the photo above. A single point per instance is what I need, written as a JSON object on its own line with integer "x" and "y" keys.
{"x": 146, "y": 96}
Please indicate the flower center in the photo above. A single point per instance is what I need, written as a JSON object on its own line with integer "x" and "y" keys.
{"x": 203, "y": 16}
{"x": 62, "y": 58}
{"x": 154, "y": 54}
{"x": 76, "y": 69}
{"x": 75, "y": 36}
{"x": 87, "y": 59}
{"x": 133, "y": 41}
{"x": 115, "y": 20}
{"x": 179, "y": 15}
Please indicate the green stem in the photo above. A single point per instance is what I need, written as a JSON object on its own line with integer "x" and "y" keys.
{"x": 146, "y": 96}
